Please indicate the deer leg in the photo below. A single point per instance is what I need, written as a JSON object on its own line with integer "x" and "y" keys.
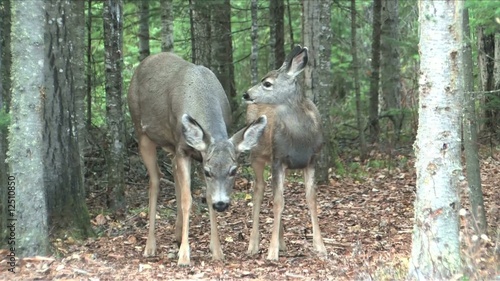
{"x": 183, "y": 184}
{"x": 178, "y": 199}
{"x": 214, "y": 234}
{"x": 278, "y": 205}
{"x": 318, "y": 244}
{"x": 258, "y": 193}
{"x": 148, "y": 153}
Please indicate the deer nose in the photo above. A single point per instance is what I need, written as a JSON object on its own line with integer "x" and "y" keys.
{"x": 246, "y": 96}
{"x": 220, "y": 206}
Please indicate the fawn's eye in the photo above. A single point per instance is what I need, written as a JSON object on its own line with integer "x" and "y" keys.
{"x": 232, "y": 172}
{"x": 267, "y": 84}
{"x": 207, "y": 174}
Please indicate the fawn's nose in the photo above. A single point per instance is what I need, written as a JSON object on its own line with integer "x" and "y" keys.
{"x": 246, "y": 96}
{"x": 220, "y": 206}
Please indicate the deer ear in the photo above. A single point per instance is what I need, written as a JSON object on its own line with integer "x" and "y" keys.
{"x": 194, "y": 134}
{"x": 248, "y": 137}
{"x": 298, "y": 63}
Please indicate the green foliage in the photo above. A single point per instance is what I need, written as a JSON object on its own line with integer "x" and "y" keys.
{"x": 4, "y": 120}
{"x": 485, "y": 14}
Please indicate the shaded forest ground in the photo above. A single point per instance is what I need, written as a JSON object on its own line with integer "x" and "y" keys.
{"x": 366, "y": 217}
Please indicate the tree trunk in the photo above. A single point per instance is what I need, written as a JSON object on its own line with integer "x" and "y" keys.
{"x": 222, "y": 49}
{"x": 200, "y": 32}
{"x": 254, "y": 59}
{"x": 113, "y": 30}
{"x": 143, "y": 29}
{"x": 435, "y": 245}
{"x": 355, "y": 70}
{"x": 167, "y": 25}
{"x": 486, "y": 55}
{"x": 5, "y": 65}
{"x": 26, "y": 147}
{"x": 88, "y": 122}
{"x": 318, "y": 38}
{"x": 390, "y": 65}
{"x": 373, "y": 124}
{"x": 470, "y": 134}
{"x": 64, "y": 181}
{"x": 277, "y": 33}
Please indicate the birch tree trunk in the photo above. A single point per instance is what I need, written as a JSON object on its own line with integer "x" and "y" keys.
{"x": 167, "y": 25}
{"x": 318, "y": 75}
{"x": 143, "y": 29}
{"x": 113, "y": 36}
{"x": 471, "y": 148}
{"x": 26, "y": 147}
{"x": 435, "y": 251}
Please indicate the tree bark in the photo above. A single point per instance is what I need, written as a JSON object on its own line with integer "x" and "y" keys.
{"x": 355, "y": 70}
{"x": 5, "y": 65}
{"x": 318, "y": 38}
{"x": 222, "y": 49}
{"x": 486, "y": 54}
{"x": 113, "y": 40}
{"x": 390, "y": 65}
{"x": 167, "y": 25}
{"x": 373, "y": 123}
{"x": 201, "y": 32}
{"x": 277, "y": 33}
{"x": 435, "y": 251}
{"x": 254, "y": 56}
{"x": 144, "y": 50}
{"x": 471, "y": 148}
{"x": 64, "y": 181}
{"x": 26, "y": 147}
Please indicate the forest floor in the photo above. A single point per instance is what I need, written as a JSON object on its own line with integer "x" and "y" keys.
{"x": 366, "y": 219}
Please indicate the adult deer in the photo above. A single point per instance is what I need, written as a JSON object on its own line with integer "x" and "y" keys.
{"x": 182, "y": 108}
{"x": 291, "y": 140}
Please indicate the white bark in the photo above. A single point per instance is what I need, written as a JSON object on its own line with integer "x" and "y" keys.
{"x": 435, "y": 246}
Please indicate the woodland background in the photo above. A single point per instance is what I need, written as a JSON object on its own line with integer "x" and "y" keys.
{"x": 363, "y": 75}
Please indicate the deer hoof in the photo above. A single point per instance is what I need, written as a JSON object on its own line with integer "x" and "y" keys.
{"x": 150, "y": 250}
{"x": 272, "y": 255}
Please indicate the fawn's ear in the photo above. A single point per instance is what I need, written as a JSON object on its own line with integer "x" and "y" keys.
{"x": 248, "y": 137}
{"x": 289, "y": 57}
{"x": 297, "y": 63}
{"x": 194, "y": 134}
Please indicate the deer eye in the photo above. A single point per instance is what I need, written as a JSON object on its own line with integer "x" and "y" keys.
{"x": 232, "y": 172}
{"x": 207, "y": 174}
{"x": 267, "y": 84}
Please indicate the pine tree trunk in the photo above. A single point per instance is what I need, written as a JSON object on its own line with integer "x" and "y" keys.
{"x": 471, "y": 148}
{"x": 167, "y": 25}
{"x": 222, "y": 49}
{"x": 201, "y": 32}
{"x": 26, "y": 147}
{"x": 64, "y": 180}
{"x": 143, "y": 29}
{"x": 254, "y": 55}
{"x": 357, "y": 89}
{"x": 277, "y": 33}
{"x": 318, "y": 38}
{"x": 5, "y": 65}
{"x": 373, "y": 124}
{"x": 390, "y": 65}
{"x": 113, "y": 32}
{"x": 435, "y": 251}
{"x": 486, "y": 54}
